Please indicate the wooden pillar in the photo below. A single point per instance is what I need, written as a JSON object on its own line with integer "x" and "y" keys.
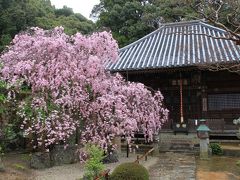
{"x": 204, "y": 103}
{"x": 203, "y": 95}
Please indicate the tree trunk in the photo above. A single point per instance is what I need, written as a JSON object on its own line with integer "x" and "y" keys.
{"x": 117, "y": 141}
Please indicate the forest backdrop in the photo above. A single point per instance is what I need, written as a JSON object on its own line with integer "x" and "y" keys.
{"x": 18, "y": 15}
{"x": 128, "y": 20}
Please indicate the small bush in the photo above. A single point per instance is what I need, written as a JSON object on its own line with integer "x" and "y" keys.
{"x": 93, "y": 166}
{"x": 216, "y": 149}
{"x": 130, "y": 171}
{"x": 238, "y": 163}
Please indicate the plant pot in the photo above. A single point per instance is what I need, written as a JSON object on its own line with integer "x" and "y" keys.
{"x": 111, "y": 158}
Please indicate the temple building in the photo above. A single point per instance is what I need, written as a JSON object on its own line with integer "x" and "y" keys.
{"x": 175, "y": 59}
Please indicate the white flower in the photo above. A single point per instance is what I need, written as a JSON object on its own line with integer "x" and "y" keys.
{"x": 236, "y": 121}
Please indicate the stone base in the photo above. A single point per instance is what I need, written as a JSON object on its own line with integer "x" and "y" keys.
{"x": 204, "y": 156}
{"x": 111, "y": 158}
{"x": 60, "y": 156}
{"x": 40, "y": 160}
{"x": 57, "y": 156}
{"x": 204, "y": 149}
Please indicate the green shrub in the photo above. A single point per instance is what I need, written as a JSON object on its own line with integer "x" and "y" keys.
{"x": 93, "y": 166}
{"x": 216, "y": 149}
{"x": 238, "y": 163}
{"x": 130, "y": 171}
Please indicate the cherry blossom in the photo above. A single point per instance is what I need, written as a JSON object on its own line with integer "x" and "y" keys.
{"x": 71, "y": 89}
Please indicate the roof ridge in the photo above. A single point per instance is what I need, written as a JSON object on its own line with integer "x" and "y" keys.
{"x": 139, "y": 40}
{"x": 182, "y": 22}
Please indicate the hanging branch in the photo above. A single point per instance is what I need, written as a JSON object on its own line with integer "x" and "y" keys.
{"x": 211, "y": 9}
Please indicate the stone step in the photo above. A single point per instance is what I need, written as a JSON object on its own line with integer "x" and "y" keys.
{"x": 174, "y": 145}
{"x": 181, "y": 141}
{"x": 181, "y": 144}
{"x": 224, "y": 141}
{"x": 194, "y": 151}
{"x": 180, "y": 148}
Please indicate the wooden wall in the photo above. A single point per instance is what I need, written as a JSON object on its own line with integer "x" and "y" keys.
{"x": 198, "y": 87}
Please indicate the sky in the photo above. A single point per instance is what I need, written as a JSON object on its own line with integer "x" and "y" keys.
{"x": 79, "y": 6}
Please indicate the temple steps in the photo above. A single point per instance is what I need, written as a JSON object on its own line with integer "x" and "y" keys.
{"x": 181, "y": 145}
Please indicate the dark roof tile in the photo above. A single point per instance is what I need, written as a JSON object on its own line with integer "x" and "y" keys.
{"x": 176, "y": 45}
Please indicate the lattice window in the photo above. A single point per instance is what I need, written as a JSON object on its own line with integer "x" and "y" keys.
{"x": 223, "y": 101}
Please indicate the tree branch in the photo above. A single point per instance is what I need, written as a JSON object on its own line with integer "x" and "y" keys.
{"x": 213, "y": 18}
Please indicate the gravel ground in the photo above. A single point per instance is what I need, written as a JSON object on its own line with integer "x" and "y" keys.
{"x": 75, "y": 171}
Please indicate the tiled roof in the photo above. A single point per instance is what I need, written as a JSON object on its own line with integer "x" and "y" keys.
{"x": 177, "y": 45}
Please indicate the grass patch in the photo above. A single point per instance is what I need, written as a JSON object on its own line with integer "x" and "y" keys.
{"x": 26, "y": 157}
{"x": 19, "y": 166}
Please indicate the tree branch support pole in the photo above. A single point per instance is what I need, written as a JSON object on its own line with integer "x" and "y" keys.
{"x": 181, "y": 101}
{"x": 127, "y": 150}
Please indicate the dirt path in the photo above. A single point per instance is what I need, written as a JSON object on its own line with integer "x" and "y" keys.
{"x": 75, "y": 171}
{"x": 174, "y": 166}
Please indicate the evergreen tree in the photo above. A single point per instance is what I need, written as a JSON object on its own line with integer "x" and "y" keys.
{"x": 131, "y": 20}
{"x": 18, "y": 15}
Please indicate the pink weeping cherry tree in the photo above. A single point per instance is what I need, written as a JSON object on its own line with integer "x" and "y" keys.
{"x": 70, "y": 89}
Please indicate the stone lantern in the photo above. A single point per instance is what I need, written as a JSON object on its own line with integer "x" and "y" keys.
{"x": 237, "y": 123}
{"x": 203, "y": 135}
{"x": 203, "y": 130}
